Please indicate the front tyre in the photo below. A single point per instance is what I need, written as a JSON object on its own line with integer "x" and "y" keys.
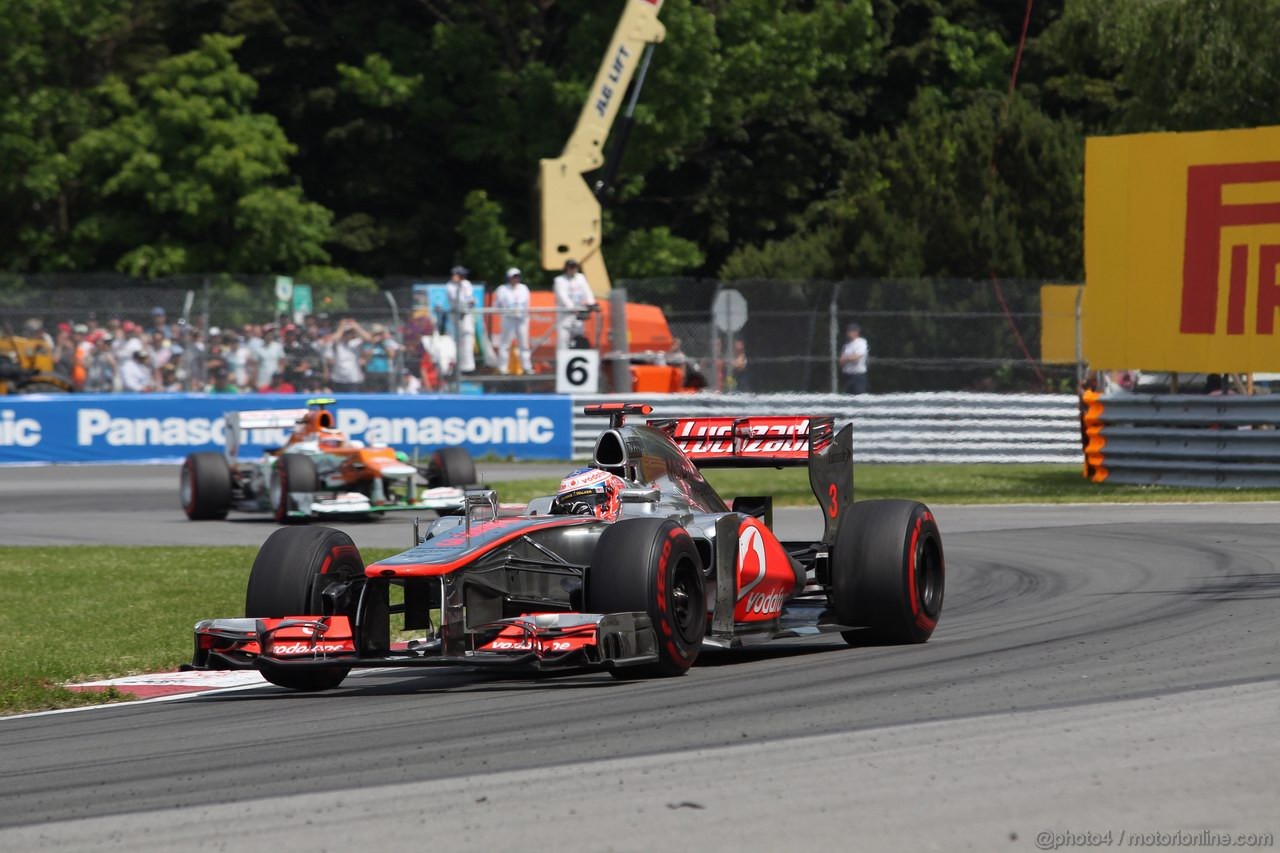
{"x": 651, "y": 565}
{"x": 451, "y": 466}
{"x": 204, "y": 487}
{"x": 293, "y": 472}
{"x": 888, "y": 572}
{"x": 292, "y": 569}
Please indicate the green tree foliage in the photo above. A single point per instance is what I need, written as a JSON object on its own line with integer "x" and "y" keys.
{"x": 1136, "y": 67}
{"x": 191, "y": 179}
{"x": 653, "y": 253}
{"x": 1204, "y": 64}
{"x": 955, "y": 194}
{"x": 787, "y": 97}
{"x": 59, "y": 61}
{"x": 486, "y": 246}
{"x": 796, "y": 138}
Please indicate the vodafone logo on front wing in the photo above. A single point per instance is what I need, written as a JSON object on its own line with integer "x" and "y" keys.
{"x": 307, "y": 648}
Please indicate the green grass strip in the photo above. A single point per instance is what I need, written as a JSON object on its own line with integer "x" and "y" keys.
{"x": 81, "y": 613}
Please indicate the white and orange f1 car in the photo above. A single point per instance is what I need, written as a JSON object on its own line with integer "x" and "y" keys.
{"x": 318, "y": 473}
{"x": 634, "y": 566}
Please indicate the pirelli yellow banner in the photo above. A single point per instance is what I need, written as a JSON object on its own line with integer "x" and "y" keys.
{"x": 1182, "y": 251}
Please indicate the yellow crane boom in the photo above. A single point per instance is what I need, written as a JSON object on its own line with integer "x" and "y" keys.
{"x": 570, "y": 213}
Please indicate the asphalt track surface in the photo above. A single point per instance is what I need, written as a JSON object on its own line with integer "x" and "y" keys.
{"x": 1096, "y": 669}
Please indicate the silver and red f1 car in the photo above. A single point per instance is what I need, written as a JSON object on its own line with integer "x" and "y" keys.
{"x": 641, "y": 581}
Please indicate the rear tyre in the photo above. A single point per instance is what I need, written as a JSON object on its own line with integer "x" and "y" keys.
{"x": 650, "y": 565}
{"x": 292, "y": 569}
{"x": 204, "y": 487}
{"x": 452, "y": 466}
{"x": 293, "y": 473}
{"x": 888, "y": 572}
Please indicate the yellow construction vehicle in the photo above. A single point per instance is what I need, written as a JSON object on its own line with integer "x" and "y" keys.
{"x": 570, "y": 214}
{"x": 26, "y": 367}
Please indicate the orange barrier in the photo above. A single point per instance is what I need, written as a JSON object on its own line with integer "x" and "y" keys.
{"x": 656, "y": 379}
{"x": 647, "y": 329}
{"x": 1091, "y": 409}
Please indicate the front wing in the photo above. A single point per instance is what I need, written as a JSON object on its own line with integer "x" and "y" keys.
{"x": 543, "y": 641}
{"x": 445, "y": 500}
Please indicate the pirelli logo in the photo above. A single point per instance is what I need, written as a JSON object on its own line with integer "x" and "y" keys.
{"x": 1182, "y": 251}
{"x": 1209, "y": 216}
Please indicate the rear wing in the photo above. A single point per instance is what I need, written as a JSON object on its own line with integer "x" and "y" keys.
{"x": 775, "y": 442}
{"x": 762, "y": 442}
{"x": 238, "y": 422}
{"x": 265, "y": 418}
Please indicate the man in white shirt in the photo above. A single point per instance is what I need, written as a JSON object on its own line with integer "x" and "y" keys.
{"x": 136, "y": 375}
{"x": 513, "y": 296}
{"x": 853, "y": 361}
{"x": 462, "y": 302}
{"x": 240, "y": 360}
{"x": 346, "y": 356}
{"x": 270, "y": 355}
{"x": 573, "y": 295}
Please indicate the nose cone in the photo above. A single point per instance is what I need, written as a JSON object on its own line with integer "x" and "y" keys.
{"x": 391, "y": 468}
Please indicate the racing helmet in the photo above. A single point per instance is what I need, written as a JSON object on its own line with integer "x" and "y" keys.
{"x": 589, "y": 491}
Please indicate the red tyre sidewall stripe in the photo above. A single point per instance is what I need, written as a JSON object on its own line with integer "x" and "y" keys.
{"x": 342, "y": 552}
{"x": 911, "y": 569}
{"x": 672, "y": 649}
{"x": 921, "y": 618}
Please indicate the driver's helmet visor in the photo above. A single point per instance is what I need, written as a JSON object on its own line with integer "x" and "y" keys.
{"x": 584, "y": 501}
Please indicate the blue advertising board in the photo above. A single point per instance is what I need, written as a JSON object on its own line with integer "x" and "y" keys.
{"x": 166, "y": 427}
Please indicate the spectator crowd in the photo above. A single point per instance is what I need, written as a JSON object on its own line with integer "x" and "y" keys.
{"x": 467, "y": 337}
{"x": 316, "y": 356}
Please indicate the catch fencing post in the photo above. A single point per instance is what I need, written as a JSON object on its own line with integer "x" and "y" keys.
{"x": 834, "y": 335}
{"x": 397, "y": 366}
{"x": 619, "y": 346}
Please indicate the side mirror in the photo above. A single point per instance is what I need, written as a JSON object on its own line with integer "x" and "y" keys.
{"x": 485, "y": 500}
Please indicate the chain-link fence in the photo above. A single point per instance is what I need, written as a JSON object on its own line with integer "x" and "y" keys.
{"x": 202, "y": 300}
{"x": 923, "y": 335}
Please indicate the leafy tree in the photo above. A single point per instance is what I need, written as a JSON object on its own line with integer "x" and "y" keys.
{"x": 191, "y": 179}
{"x": 58, "y": 64}
{"x": 1203, "y": 65}
{"x": 800, "y": 138}
{"x": 1176, "y": 65}
{"x": 957, "y": 194}
{"x": 486, "y": 246}
{"x": 652, "y": 253}
{"x": 810, "y": 253}
{"x": 402, "y": 114}
{"x": 1076, "y": 63}
{"x": 785, "y": 103}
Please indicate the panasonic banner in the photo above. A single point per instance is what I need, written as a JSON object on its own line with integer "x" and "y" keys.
{"x": 166, "y": 427}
